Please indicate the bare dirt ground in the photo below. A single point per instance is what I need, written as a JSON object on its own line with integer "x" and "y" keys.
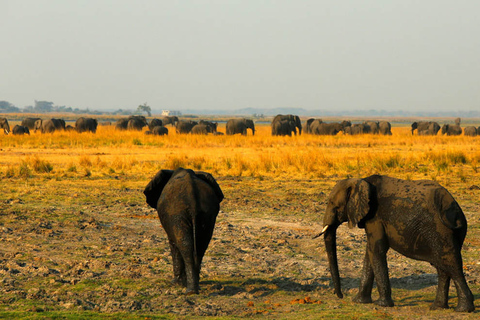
{"x": 95, "y": 246}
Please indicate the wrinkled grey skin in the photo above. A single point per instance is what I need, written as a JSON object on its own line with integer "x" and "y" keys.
{"x": 201, "y": 129}
{"x": 187, "y": 203}
{"x": 426, "y": 128}
{"x": 173, "y": 120}
{"x": 185, "y": 126}
{"x": 470, "y": 131}
{"x": 20, "y": 130}
{"x": 385, "y": 128}
{"x": 86, "y": 125}
{"x": 289, "y": 117}
{"x": 29, "y": 123}
{"x": 418, "y": 219}
{"x": 240, "y": 125}
{"x": 154, "y": 123}
{"x": 322, "y": 128}
{"x": 451, "y": 130}
{"x": 4, "y": 125}
{"x": 283, "y": 128}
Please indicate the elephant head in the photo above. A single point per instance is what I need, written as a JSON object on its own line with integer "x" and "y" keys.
{"x": 249, "y": 124}
{"x": 38, "y": 125}
{"x": 349, "y": 201}
{"x": 4, "y": 125}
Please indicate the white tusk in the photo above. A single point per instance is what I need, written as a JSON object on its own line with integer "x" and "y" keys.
{"x": 322, "y": 232}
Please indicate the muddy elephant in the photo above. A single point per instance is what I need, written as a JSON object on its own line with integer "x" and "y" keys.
{"x": 4, "y": 125}
{"x": 154, "y": 123}
{"x": 418, "y": 219}
{"x": 20, "y": 130}
{"x": 385, "y": 128}
{"x": 86, "y": 125}
{"x": 290, "y": 117}
{"x": 185, "y": 126}
{"x": 240, "y": 125}
{"x": 29, "y": 123}
{"x": 426, "y": 128}
{"x": 187, "y": 203}
{"x": 283, "y": 128}
{"x": 173, "y": 120}
{"x": 451, "y": 129}
{"x": 470, "y": 131}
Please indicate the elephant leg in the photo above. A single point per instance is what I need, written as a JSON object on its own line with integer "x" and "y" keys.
{"x": 179, "y": 276}
{"x": 441, "y": 300}
{"x": 364, "y": 294}
{"x": 191, "y": 271}
{"x": 465, "y": 296}
{"x": 377, "y": 250}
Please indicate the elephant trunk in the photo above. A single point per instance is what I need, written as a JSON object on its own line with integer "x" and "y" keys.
{"x": 330, "y": 238}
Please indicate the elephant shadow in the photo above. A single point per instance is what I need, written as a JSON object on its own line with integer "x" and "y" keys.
{"x": 263, "y": 288}
{"x": 411, "y": 282}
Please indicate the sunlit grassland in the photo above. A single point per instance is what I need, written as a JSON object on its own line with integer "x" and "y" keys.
{"x": 110, "y": 152}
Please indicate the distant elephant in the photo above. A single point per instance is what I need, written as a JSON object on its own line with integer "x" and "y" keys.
{"x": 451, "y": 129}
{"x": 185, "y": 126}
{"x": 20, "y": 130}
{"x": 212, "y": 126}
{"x": 4, "y": 125}
{"x": 136, "y": 123}
{"x": 47, "y": 126}
{"x": 457, "y": 121}
{"x": 239, "y": 125}
{"x": 470, "y": 131}
{"x": 173, "y": 120}
{"x": 69, "y": 128}
{"x": 426, "y": 128}
{"x": 357, "y": 128}
{"x": 290, "y": 117}
{"x": 121, "y": 124}
{"x": 307, "y": 128}
{"x": 283, "y": 128}
{"x": 86, "y": 125}
{"x": 59, "y": 124}
{"x": 160, "y": 131}
{"x": 372, "y": 127}
{"x": 201, "y": 129}
{"x": 154, "y": 123}
{"x": 385, "y": 128}
{"x": 323, "y": 128}
{"x": 187, "y": 203}
{"x": 29, "y": 123}
{"x": 418, "y": 219}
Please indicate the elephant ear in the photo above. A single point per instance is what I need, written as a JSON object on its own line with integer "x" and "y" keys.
{"x": 358, "y": 201}
{"x": 154, "y": 188}
{"x": 208, "y": 178}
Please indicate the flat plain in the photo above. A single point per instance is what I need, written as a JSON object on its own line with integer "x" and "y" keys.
{"x": 77, "y": 239}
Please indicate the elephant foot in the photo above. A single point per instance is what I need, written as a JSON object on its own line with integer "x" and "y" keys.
{"x": 439, "y": 305}
{"x": 191, "y": 291}
{"x": 465, "y": 307}
{"x": 384, "y": 302}
{"x": 362, "y": 299}
{"x": 179, "y": 281}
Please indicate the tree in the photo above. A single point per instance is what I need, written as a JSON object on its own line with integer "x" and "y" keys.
{"x": 6, "y": 107}
{"x": 43, "y": 106}
{"x": 145, "y": 108}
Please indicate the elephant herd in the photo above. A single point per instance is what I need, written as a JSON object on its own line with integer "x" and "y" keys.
{"x": 418, "y": 219}
{"x": 431, "y": 128}
{"x": 82, "y": 124}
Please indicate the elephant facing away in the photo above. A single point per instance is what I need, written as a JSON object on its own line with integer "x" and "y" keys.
{"x": 86, "y": 125}
{"x": 187, "y": 203}
{"x": 20, "y": 130}
{"x": 385, "y": 128}
{"x": 418, "y": 219}
{"x": 470, "y": 131}
{"x": 452, "y": 129}
{"x": 4, "y": 125}
{"x": 289, "y": 117}
{"x": 240, "y": 125}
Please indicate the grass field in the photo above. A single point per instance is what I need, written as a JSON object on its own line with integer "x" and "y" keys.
{"x": 78, "y": 240}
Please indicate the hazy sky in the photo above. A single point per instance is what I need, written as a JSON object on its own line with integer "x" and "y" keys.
{"x": 229, "y": 54}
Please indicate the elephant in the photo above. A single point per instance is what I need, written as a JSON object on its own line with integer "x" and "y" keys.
{"x": 470, "y": 131}
{"x": 136, "y": 123}
{"x": 283, "y": 128}
{"x": 385, "y": 128}
{"x": 372, "y": 127}
{"x": 419, "y": 219}
{"x": 185, "y": 126}
{"x": 451, "y": 129}
{"x": 160, "y": 131}
{"x": 457, "y": 121}
{"x": 309, "y": 123}
{"x": 29, "y": 123}
{"x": 154, "y": 123}
{"x": 239, "y": 125}
{"x": 212, "y": 125}
{"x": 357, "y": 128}
{"x": 291, "y": 117}
{"x": 4, "y": 125}
{"x": 49, "y": 126}
{"x": 86, "y": 125}
{"x": 69, "y": 128}
{"x": 20, "y": 130}
{"x": 323, "y": 128}
{"x": 426, "y": 128}
{"x": 173, "y": 120}
{"x": 201, "y": 129}
{"x": 121, "y": 124}
{"x": 187, "y": 203}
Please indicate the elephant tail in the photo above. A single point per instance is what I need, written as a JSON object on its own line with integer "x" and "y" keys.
{"x": 450, "y": 212}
